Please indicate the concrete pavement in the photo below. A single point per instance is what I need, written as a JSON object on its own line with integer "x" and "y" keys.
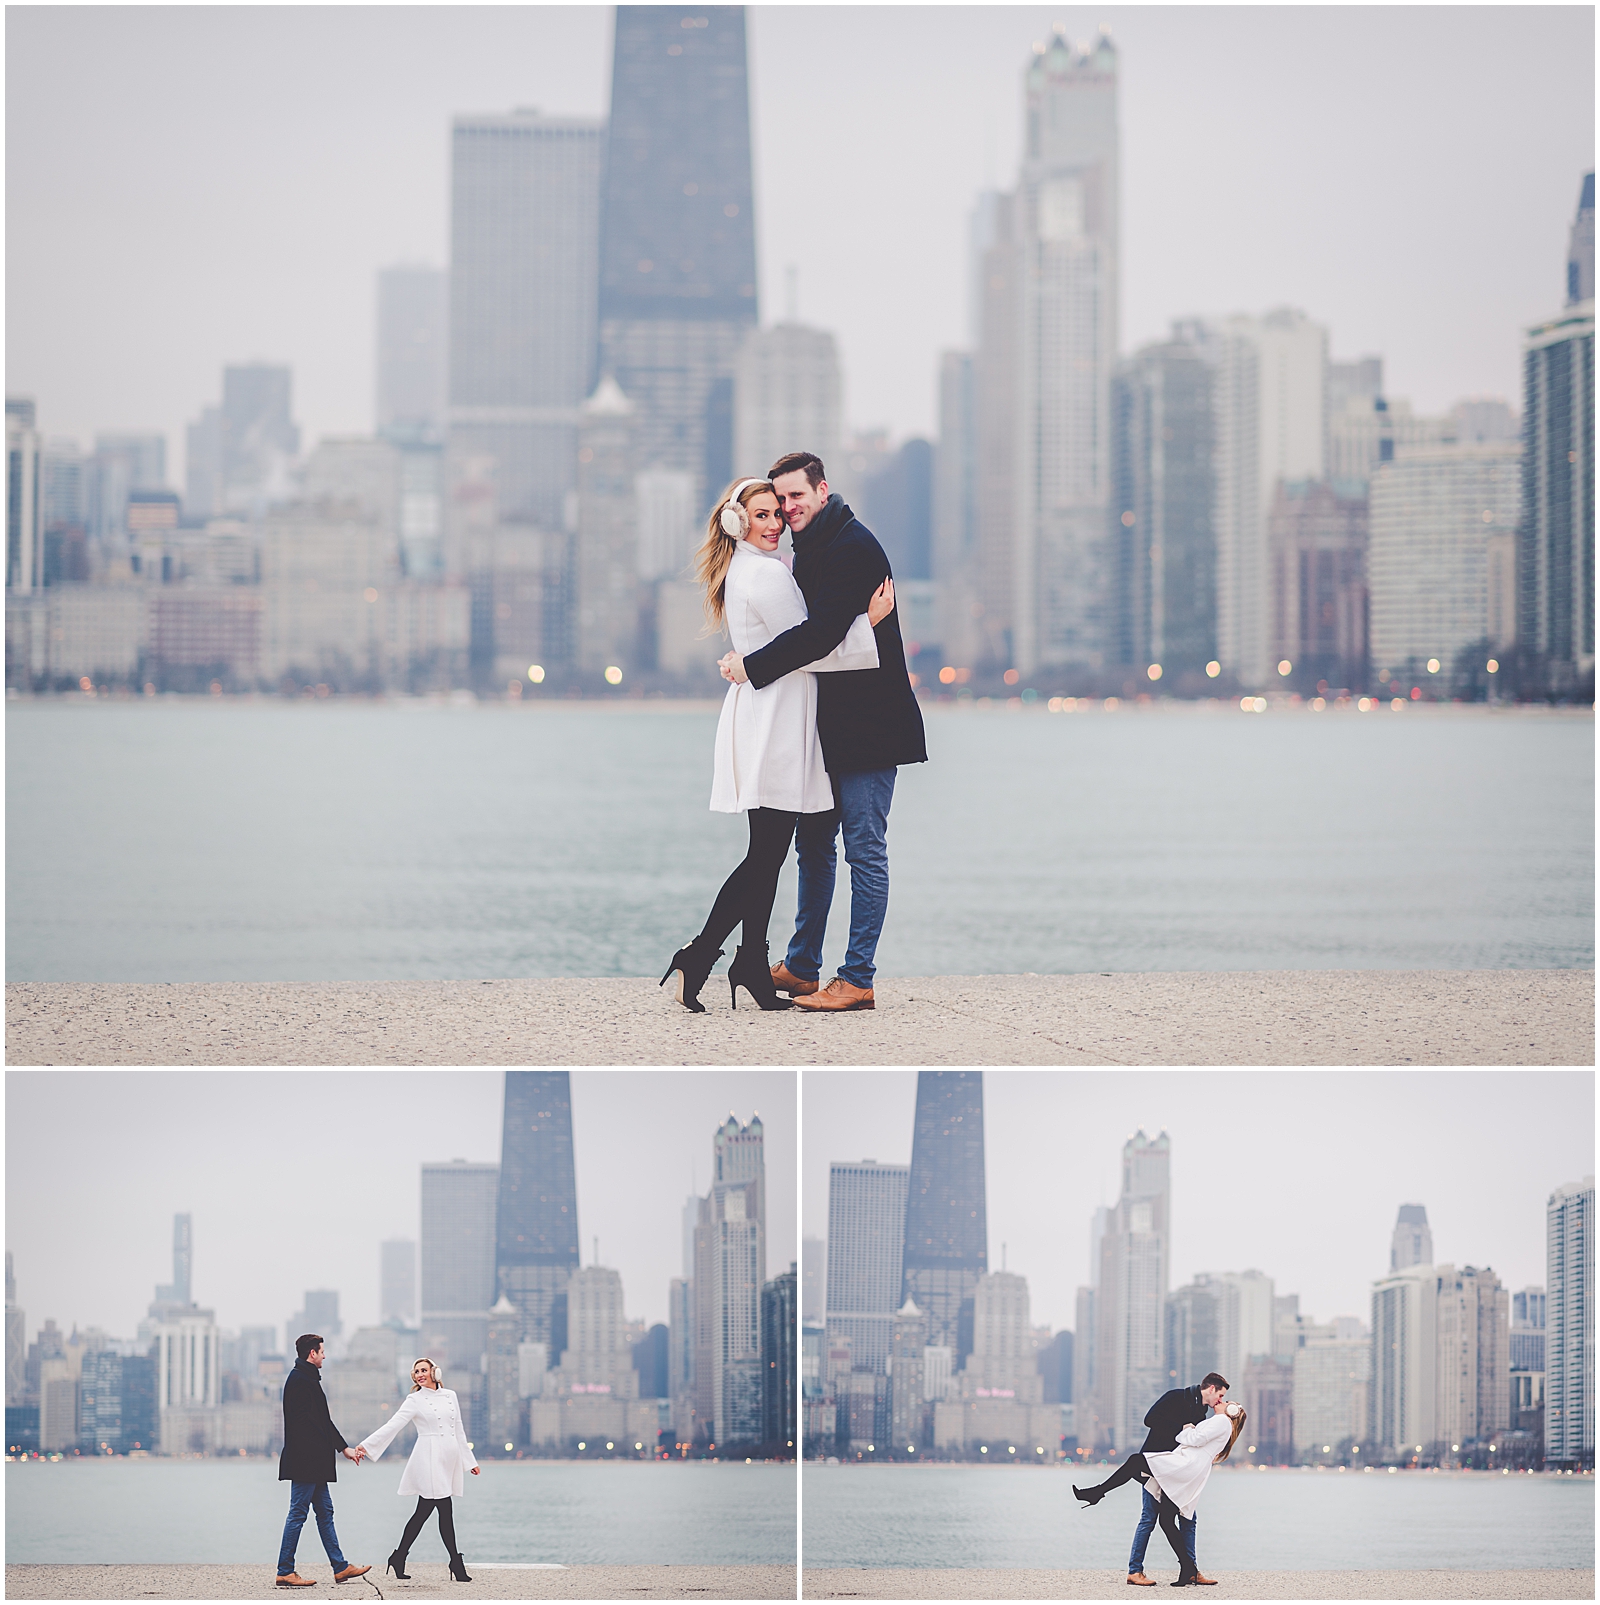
{"x": 903, "y": 1583}
{"x": 255, "y": 1581}
{"x": 1288, "y": 1017}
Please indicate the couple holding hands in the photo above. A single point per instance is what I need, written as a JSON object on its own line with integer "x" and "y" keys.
{"x": 434, "y": 1473}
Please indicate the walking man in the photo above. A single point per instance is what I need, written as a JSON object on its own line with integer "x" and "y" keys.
{"x": 310, "y": 1441}
{"x": 868, "y": 721}
{"x": 1176, "y": 1409}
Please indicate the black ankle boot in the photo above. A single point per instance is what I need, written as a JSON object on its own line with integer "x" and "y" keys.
{"x": 458, "y": 1569}
{"x": 693, "y": 963}
{"x": 751, "y": 970}
{"x": 397, "y": 1564}
{"x": 1090, "y": 1496}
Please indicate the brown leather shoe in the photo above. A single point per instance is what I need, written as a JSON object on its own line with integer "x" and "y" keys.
{"x": 836, "y": 996}
{"x": 1139, "y": 1580}
{"x": 1204, "y": 1582}
{"x": 295, "y": 1580}
{"x": 349, "y": 1572}
{"x": 792, "y": 984}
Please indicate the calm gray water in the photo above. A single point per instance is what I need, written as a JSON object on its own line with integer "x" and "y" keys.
{"x": 1249, "y": 1520}
{"x": 654, "y": 1512}
{"x": 217, "y": 841}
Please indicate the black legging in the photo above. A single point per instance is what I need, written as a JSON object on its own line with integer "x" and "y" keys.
{"x": 748, "y": 893}
{"x": 1136, "y": 1466}
{"x": 419, "y": 1517}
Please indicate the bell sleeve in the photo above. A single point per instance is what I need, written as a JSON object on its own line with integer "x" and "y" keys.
{"x": 858, "y": 650}
{"x": 467, "y": 1458}
{"x": 375, "y": 1443}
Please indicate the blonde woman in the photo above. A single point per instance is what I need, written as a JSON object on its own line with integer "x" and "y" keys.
{"x": 434, "y": 1471}
{"x": 1178, "y": 1476}
{"x": 768, "y": 762}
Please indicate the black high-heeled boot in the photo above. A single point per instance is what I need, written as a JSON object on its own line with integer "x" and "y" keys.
{"x": 751, "y": 970}
{"x": 693, "y": 963}
{"x": 458, "y": 1569}
{"x": 397, "y": 1564}
{"x": 1090, "y": 1496}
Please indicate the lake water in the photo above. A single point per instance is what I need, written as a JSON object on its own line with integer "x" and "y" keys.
{"x": 621, "y": 1513}
{"x": 197, "y": 840}
{"x": 1274, "y": 1520}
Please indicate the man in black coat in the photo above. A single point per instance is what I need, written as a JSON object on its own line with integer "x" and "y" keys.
{"x": 868, "y": 721}
{"x": 310, "y": 1442}
{"x": 1167, "y": 1417}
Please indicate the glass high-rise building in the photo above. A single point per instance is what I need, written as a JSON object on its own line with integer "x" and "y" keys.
{"x": 1569, "y": 1327}
{"x": 1412, "y": 1243}
{"x": 536, "y": 1219}
{"x": 866, "y": 1246}
{"x": 947, "y": 1228}
{"x": 677, "y": 239}
{"x": 458, "y": 1259}
{"x": 524, "y": 232}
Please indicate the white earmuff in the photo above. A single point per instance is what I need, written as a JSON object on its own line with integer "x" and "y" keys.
{"x": 734, "y": 521}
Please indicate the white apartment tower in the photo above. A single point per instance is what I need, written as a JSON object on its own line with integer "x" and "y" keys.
{"x": 1434, "y": 515}
{"x": 1569, "y": 1327}
{"x": 1130, "y": 1299}
{"x": 730, "y": 1266}
{"x": 1065, "y": 225}
{"x": 1405, "y": 1351}
{"x": 1271, "y": 406}
{"x": 1474, "y": 1329}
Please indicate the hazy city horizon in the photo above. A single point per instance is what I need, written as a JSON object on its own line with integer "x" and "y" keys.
{"x": 1264, "y": 221}
{"x": 1296, "y": 1174}
{"x": 294, "y": 1179}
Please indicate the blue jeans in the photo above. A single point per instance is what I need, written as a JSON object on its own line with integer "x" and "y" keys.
{"x": 305, "y": 1496}
{"x": 1147, "y": 1525}
{"x": 861, "y": 805}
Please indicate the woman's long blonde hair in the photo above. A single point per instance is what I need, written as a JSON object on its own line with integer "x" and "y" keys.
{"x": 433, "y": 1370}
{"x": 717, "y": 549}
{"x": 1238, "y": 1427}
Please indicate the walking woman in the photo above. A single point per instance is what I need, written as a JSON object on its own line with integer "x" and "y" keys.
{"x": 1178, "y": 1476}
{"x": 768, "y": 759}
{"x": 434, "y": 1471}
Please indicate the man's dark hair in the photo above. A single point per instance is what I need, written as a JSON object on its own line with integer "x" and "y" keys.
{"x": 793, "y": 461}
{"x": 1214, "y": 1379}
{"x": 306, "y": 1344}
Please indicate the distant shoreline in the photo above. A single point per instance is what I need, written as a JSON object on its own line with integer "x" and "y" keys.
{"x": 1277, "y": 702}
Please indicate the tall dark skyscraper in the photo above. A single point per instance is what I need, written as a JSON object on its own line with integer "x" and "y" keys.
{"x": 536, "y": 1224}
{"x": 947, "y": 1230}
{"x": 677, "y": 233}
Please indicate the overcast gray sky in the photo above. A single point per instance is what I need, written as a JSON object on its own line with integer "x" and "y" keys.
{"x": 193, "y": 185}
{"x": 295, "y": 1177}
{"x": 1295, "y": 1173}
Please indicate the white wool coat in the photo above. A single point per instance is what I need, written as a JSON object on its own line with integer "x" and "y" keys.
{"x": 441, "y": 1456}
{"x": 768, "y": 754}
{"x": 1182, "y": 1472}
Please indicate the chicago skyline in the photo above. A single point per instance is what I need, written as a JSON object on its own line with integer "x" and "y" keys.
{"x": 1060, "y": 1158}
{"x": 261, "y": 1242}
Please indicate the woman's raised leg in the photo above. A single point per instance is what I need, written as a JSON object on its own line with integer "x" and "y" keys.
{"x": 1133, "y": 1466}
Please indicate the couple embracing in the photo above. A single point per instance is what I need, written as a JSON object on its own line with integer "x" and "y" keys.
{"x": 819, "y": 714}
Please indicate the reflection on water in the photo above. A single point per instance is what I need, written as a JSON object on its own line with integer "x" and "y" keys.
{"x": 648, "y": 1513}
{"x": 190, "y": 841}
{"x": 1248, "y": 1520}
